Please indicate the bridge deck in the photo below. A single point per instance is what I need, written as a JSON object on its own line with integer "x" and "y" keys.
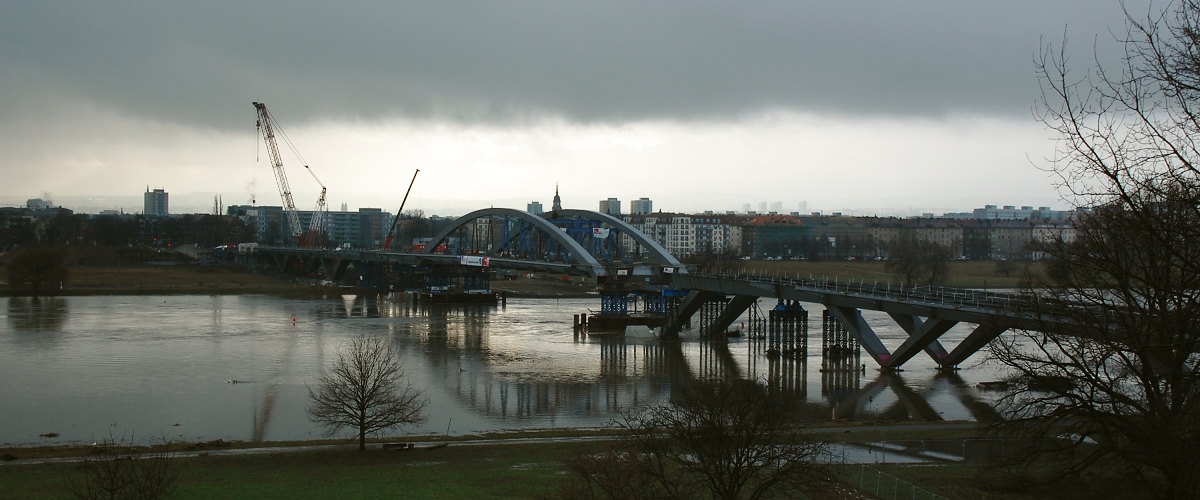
{"x": 957, "y": 304}
{"x": 925, "y": 313}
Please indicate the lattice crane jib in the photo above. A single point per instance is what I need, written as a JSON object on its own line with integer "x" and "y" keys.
{"x": 311, "y": 239}
{"x": 266, "y": 127}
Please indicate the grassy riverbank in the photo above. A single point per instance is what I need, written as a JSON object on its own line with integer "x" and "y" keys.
{"x": 230, "y": 280}
{"x": 173, "y": 279}
{"x": 517, "y": 471}
{"x": 514, "y": 470}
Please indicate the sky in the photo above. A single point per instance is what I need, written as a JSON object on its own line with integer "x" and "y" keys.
{"x": 873, "y": 107}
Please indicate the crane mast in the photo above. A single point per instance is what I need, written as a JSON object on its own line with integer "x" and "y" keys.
{"x": 387, "y": 242}
{"x": 266, "y": 127}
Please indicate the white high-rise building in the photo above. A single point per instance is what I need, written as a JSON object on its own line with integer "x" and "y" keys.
{"x": 611, "y": 206}
{"x": 534, "y": 207}
{"x": 641, "y": 206}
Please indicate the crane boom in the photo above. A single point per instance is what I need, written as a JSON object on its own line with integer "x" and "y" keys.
{"x": 318, "y": 217}
{"x": 387, "y": 242}
{"x": 266, "y": 127}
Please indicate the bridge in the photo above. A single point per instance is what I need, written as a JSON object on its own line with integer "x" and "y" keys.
{"x": 626, "y": 264}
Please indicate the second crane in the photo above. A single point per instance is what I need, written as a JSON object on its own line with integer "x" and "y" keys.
{"x": 310, "y": 238}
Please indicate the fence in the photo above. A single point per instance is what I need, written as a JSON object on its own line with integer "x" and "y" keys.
{"x": 881, "y": 485}
{"x": 873, "y": 482}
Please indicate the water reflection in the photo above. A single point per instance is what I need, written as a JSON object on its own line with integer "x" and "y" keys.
{"x": 147, "y": 363}
{"x": 274, "y": 381}
{"x": 44, "y": 316}
{"x": 637, "y": 371}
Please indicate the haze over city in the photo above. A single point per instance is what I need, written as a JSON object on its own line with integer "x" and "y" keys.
{"x": 880, "y": 108}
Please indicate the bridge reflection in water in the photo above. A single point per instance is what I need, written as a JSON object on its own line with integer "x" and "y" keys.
{"x": 471, "y": 353}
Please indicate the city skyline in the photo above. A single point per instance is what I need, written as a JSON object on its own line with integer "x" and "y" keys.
{"x": 873, "y": 109}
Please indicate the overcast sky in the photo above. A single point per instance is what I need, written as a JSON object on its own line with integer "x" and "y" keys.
{"x": 875, "y": 107}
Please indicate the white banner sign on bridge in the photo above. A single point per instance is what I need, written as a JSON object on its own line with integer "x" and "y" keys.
{"x": 473, "y": 260}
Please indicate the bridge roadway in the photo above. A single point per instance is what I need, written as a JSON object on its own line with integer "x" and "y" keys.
{"x": 336, "y": 262}
{"x": 925, "y": 313}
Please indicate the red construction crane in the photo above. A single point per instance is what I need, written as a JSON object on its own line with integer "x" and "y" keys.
{"x": 267, "y": 127}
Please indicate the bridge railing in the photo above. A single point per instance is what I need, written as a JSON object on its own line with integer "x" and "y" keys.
{"x": 1005, "y": 303}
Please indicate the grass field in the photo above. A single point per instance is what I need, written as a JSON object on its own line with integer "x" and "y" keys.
{"x": 513, "y": 471}
{"x": 990, "y": 482}
{"x": 499, "y": 472}
{"x": 193, "y": 279}
{"x": 181, "y": 279}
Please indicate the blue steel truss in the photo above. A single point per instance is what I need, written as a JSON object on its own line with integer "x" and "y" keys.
{"x": 504, "y": 236}
{"x": 576, "y": 237}
{"x": 604, "y": 243}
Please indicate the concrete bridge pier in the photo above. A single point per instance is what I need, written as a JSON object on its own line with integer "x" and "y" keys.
{"x": 852, "y": 320}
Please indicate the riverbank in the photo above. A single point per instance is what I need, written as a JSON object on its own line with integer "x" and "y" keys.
{"x": 838, "y": 431}
{"x": 185, "y": 279}
{"x": 506, "y": 466}
{"x": 501, "y": 465}
{"x": 172, "y": 280}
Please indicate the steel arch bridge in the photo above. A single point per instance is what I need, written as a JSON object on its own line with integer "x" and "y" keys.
{"x": 589, "y": 241}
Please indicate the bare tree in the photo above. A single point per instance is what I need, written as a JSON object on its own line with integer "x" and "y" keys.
{"x": 123, "y": 470}
{"x": 36, "y": 270}
{"x": 365, "y": 390}
{"x": 730, "y": 439}
{"x": 1006, "y": 268}
{"x": 915, "y": 261}
{"x": 1112, "y": 376}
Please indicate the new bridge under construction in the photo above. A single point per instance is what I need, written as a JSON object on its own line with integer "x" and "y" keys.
{"x": 640, "y": 283}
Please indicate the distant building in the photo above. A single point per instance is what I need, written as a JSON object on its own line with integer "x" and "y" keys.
{"x": 534, "y": 207}
{"x": 641, "y": 206}
{"x": 557, "y": 201}
{"x": 683, "y": 235}
{"x": 365, "y": 228}
{"x": 776, "y": 207}
{"x": 611, "y": 206}
{"x": 1010, "y": 212}
{"x": 155, "y": 202}
{"x": 38, "y": 203}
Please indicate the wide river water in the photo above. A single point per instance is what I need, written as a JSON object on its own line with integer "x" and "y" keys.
{"x": 237, "y": 368}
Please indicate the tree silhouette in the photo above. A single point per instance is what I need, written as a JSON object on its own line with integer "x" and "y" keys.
{"x": 365, "y": 389}
{"x": 36, "y": 270}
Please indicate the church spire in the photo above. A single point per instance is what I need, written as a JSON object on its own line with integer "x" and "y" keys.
{"x": 557, "y": 201}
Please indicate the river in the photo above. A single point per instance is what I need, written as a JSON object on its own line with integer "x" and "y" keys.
{"x": 201, "y": 368}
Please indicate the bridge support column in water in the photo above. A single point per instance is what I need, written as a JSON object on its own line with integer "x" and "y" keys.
{"x": 620, "y": 308}
{"x": 787, "y": 329}
{"x": 839, "y": 349}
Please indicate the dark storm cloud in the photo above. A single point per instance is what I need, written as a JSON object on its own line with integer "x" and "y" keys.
{"x": 202, "y": 63}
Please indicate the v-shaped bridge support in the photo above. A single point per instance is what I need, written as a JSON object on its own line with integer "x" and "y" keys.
{"x": 923, "y": 335}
